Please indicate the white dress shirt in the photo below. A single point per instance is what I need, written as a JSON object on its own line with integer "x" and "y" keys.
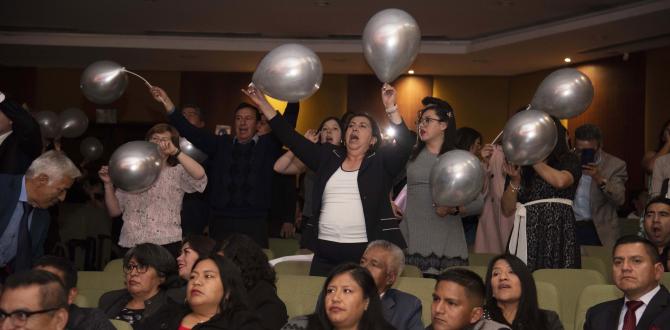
{"x": 645, "y": 299}
{"x": 4, "y": 136}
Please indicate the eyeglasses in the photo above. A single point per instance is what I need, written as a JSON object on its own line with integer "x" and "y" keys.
{"x": 20, "y": 317}
{"x": 141, "y": 269}
{"x": 158, "y": 140}
{"x": 426, "y": 121}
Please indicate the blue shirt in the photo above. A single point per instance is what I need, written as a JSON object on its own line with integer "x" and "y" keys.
{"x": 582, "y": 203}
{"x": 9, "y": 239}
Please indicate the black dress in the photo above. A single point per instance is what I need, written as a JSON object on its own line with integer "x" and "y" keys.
{"x": 550, "y": 227}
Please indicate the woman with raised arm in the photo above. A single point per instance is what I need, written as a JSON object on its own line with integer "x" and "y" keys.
{"x": 350, "y": 195}
{"x": 154, "y": 215}
{"x": 540, "y": 198}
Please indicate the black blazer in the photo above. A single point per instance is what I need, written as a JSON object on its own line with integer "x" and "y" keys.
{"x": 264, "y": 302}
{"x": 171, "y": 315}
{"x": 402, "y": 310}
{"x": 605, "y": 315}
{"x": 375, "y": 179}
{"x": 114, "y": 301}
{"x": 24, "y": 144}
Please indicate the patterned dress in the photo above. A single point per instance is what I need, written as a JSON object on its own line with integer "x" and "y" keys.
{"x": 550, "y": 227}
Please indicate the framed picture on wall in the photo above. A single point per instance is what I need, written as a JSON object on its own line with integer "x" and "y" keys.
{"x": 223, "y": 129}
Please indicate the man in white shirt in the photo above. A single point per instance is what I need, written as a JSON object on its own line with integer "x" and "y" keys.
{"x": 637, "y": 271}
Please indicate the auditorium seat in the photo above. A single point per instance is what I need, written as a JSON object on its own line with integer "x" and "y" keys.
{"x": 302, "y": 268}
{"x": 299, "y": 293}
{"x": 665, "y": 280}
{"x": 547, "y": 296}
{"x": 479, "y": 270}
{"x": 121, "y": 325}
{"x": 591, "y": 296}
{"x": 569, "y": 283}
{"x": 114, "y": 266}
{"x": 597, "y": 264}
{"x": 602, "y": 253}
{"x": 423, "y": 289}
{"x": 91, "y": 285}
{"x": 480, "y": 259}
{"x": 269, "y": 254}
{"x": 411, "y": 271}
{"x": 293, "y": 268}
{"x": 284, "y": 246}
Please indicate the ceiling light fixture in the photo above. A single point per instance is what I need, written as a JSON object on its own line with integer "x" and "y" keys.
{"x": 410, "y": 71}
{"x": 567, "y": 60}
{"x": 321, "y": 3}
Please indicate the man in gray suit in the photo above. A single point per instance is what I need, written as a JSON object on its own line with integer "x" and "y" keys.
{"x": 385, "y": 262}
{"x": 601, "y": 189}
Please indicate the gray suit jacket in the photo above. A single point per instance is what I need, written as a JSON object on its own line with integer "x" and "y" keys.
{"x": 606, "y": 201}
{"x": 402, "y": 310}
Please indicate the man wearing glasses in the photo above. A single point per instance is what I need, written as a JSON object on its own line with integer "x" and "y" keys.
{"x": 33, "y": 299}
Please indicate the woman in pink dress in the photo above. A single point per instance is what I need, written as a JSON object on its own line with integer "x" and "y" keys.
{"x": 494, "y": 227}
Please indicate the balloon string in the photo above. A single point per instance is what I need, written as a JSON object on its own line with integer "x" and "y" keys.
{"x": 497, "y": 137}
{"x": 138, "y": 76}
{"x": 501, "y": 132}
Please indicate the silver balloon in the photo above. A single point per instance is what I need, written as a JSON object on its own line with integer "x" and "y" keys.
{"x": 456, "y": 178}
{"x": 529, "y": 137}
{"x": 290, "y": 72}
{"x": 186, "y": 147}
{"x": 73, "y": 122}
{"x": 49, "y": 124}
{"x": 391, "y": 41}
{"x": 91, "y": 148}
{"x": 565, "y": 93}
{"x": 103, "y": 82}
{"x": 135, "y": 166}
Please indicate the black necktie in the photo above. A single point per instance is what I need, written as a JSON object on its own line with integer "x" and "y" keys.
{"x": 24, "y": 249}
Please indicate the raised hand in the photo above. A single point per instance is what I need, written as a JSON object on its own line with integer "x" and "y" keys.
{"x": 167, "y": 148}
{"x": 103, "y": 173}
{"x": 513, "y": 171}
{"x": 161, "y": 96}
{"x": 312, "y": 135}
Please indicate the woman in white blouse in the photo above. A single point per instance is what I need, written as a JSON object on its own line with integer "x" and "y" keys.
{"x": 153, "y": 215}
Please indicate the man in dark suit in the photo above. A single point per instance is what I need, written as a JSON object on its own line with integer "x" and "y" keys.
{"x": 20, "y": 138}
{"x": 385, "y": 261}
{"x": 637, "y": 272}
{"x": 24, "y": 220}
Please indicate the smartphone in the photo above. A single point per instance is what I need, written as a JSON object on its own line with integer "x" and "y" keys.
{"x": 588, "y": 156}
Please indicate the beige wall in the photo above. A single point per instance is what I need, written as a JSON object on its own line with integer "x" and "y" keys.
{"x": 329, "y": 100}
{"x": 478, "y": 102}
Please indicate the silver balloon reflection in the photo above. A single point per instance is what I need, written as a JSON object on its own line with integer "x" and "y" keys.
{"x": 135, "y": 166}
{"x": 49, "y": 124}
{"x": 290, "y": 72}
{"x": 103, "y": 82}
{"x": 91, "y": 148}
{"x": 188, "y": 148}
{"x": 391, "y": 41}
{"x": 565, "y": 93}
{"x": 456, "y": 178}
{"x": 529, "y": 137}
{"x": 73, "y": 122}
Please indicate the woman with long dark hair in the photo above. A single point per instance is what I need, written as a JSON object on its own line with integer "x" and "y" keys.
{"x": 540, "y": 197}
{"x": 350, "y": 197}
{"x": 349, "y": 300}
{"x": 511, "y": 296}
{"x": 258, "y": 277}
{"x": 215, "y": 299}
{"x": 434, "y": 233}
